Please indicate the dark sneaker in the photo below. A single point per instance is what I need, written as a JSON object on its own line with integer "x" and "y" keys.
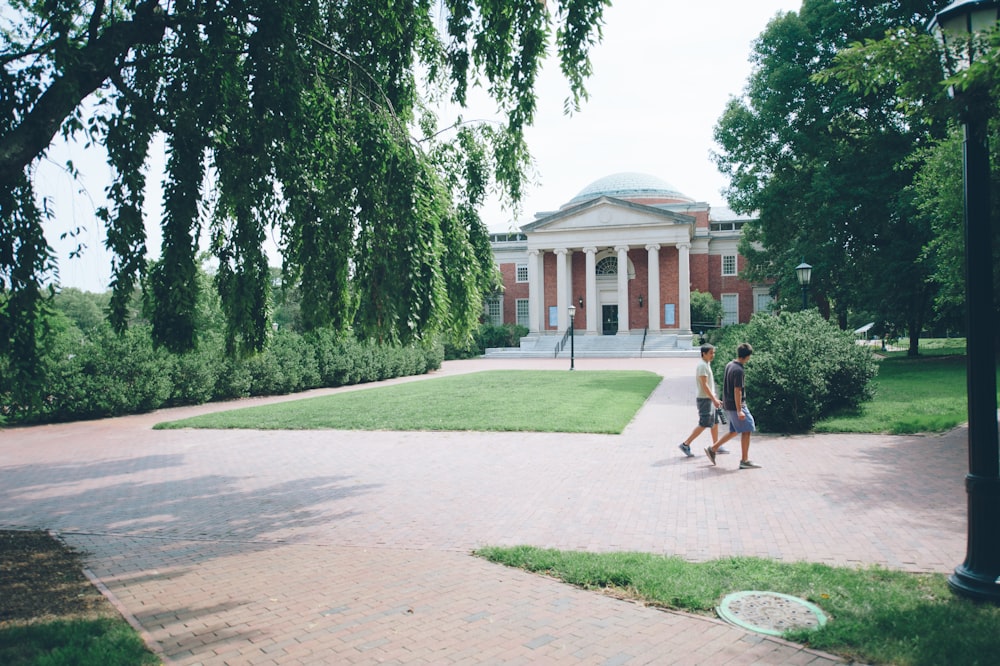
{"x": 722, "y": 449}
{"x": 711, "y": 454}
{"x": 747, "y": 464}
{"x": 685, "y": 449}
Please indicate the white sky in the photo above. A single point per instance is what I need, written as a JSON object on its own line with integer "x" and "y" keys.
{"x": 662, "y": 77}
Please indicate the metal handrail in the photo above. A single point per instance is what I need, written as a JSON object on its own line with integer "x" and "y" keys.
{"x": 562, "y": 344}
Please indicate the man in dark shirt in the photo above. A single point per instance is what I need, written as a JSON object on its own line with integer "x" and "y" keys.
{"x": 734, "y": 402}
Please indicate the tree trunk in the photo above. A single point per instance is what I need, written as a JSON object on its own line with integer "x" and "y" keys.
{"x": 92, "y": 66}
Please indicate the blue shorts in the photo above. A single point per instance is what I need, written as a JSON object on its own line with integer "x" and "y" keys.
{"x": 736, "y": 424}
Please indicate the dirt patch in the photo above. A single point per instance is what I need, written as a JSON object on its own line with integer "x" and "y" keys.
{"x": 41, "y": 579}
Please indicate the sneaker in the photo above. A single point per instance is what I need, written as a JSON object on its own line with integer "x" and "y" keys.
{"x": 685, "y": 449}
{"x": 747, "y": 464}
{"x": 722, "y": 449}
{"x": 710, "y": 453}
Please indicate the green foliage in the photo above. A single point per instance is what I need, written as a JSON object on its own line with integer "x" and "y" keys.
{"x": 803, "y": 368}
{"x": 298, "y": 119}
{"x": 824, "y": 165}
{"x": 99, "y": 373}
{"x": 706, "y": 312}
{"x": 913, "y": 395}
{"x": 486, "y": 337}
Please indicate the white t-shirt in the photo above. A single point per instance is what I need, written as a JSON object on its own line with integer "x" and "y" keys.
{"x": 704, "y": 369}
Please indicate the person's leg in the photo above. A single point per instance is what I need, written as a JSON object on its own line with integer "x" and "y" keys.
{"x": 722, "y": 440}
{"x": 749, "y": 427}
{"x": 694, "y": 435}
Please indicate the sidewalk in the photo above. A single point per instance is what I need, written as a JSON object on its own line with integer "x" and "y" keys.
{"x": 323, "y": 547}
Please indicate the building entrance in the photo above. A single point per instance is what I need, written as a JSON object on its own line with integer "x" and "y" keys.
{"x": 609, "y": 319}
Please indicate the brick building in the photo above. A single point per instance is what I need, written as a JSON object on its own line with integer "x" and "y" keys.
{"x": 666, "y": 244}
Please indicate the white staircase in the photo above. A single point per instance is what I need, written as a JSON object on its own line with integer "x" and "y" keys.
{"x": 624, "y": 345}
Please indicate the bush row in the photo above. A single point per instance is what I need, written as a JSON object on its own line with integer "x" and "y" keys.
{"x": 102, "y": 374}
{"x": 488, "y": 336}
{"x": 803, "y": 368}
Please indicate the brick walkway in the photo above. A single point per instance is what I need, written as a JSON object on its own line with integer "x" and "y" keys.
{"x": 320, "y": 547}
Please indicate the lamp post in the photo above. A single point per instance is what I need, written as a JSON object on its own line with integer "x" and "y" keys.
{"x": 572, "y": 351}
{"x": 804, "y": 273}
{"x": 956, "y": 27}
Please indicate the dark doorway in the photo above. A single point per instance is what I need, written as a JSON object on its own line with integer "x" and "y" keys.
{"x": 609, "y": 319}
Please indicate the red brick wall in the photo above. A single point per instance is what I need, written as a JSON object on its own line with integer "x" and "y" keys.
{"x": 720, "y": 284}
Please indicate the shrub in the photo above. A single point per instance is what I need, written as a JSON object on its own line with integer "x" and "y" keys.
{"x": 106, "y": 374}
{"x": 487, "y": 336}
{"x": 195, "y": 374}
{"x": 802, "y": 369}
{"x": 706, "y": 312}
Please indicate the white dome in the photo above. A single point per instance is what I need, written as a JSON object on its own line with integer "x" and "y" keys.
{"x": 636, "y": 187}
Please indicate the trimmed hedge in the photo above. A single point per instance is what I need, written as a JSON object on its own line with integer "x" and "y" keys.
{"x": 802, "y": 368}
{"x": 99, "y": 374}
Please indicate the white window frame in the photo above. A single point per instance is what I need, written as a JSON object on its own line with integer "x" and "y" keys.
{"x": 730, "y": 265}
{"x": 523, "y": 310}
{"x": 521, "y": 273}
{"x": 730, "y": 309}
{"x": 763, "y": 301}
{"x": 494, "y": 310}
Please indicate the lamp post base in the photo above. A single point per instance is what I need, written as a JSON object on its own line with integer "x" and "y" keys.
{"x": 978, "y": 577}
{"x": 973, "y": 586}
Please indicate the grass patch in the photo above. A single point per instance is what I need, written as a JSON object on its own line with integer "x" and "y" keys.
{"x": 102, "y": 642}
{"x": 926, "y": 393}
{"x": 876, "y": 615}
{"x": 501, "y": 400}
{"x": 50, "y": 614}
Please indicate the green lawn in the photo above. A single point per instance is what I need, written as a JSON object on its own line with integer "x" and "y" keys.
{"x": 922, "y": 394}
{"x": 503, "y": 400}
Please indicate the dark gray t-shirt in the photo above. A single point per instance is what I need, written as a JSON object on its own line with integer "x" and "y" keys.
{"x": 733, "y": 380}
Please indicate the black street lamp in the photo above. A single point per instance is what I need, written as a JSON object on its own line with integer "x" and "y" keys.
{"x": 572, "y": 351}
{"x": 804, "y": 273}
{"x": 958, "y": 27}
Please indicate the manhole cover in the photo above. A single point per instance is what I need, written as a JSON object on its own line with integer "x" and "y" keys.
{"x": 770, "y": 613}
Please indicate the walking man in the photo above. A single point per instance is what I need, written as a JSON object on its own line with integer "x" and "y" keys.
{"x": 734, "y": 402}
{"x": 706, "y": 400}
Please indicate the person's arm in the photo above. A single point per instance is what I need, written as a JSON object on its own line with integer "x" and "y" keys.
{"x": 708, "y": 390}
{"x": 738, "y": 395}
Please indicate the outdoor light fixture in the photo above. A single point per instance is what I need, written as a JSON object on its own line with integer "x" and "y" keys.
{"x": 572, "y": 351}
{"x": 640, "y": 300}
{"x": 959, "y": 28}
{"x": 804, "y": 274}
{"x": 580, "y": 301}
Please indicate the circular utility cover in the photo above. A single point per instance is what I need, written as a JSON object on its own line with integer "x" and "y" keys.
{"x": 770, "y": 613}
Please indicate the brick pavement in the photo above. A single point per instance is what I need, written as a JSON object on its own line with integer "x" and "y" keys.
{"x": 317, "y": 547}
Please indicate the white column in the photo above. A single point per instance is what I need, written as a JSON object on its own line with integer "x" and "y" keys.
{"x": 570, "y": 296}
{"x": 684, "y": 287}
{"x": 561, "y": 304}
{"x": 593, "y": 314}
{"x": 536, "y": 291}
{"x": 622, "y": 288}
{"x": 653, "y": 289}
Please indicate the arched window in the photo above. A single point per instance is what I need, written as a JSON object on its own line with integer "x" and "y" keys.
{"x": 607, "y": 266}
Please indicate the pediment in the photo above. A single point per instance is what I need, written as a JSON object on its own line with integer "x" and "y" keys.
{"x": 607, "y": 213}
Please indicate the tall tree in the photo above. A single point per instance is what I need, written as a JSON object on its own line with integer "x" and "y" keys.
{"x": 303, "y": 117}
{"x": 824, "y": 166}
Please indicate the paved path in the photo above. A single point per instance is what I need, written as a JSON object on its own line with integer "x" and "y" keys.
{"x": 327, "y": 547}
